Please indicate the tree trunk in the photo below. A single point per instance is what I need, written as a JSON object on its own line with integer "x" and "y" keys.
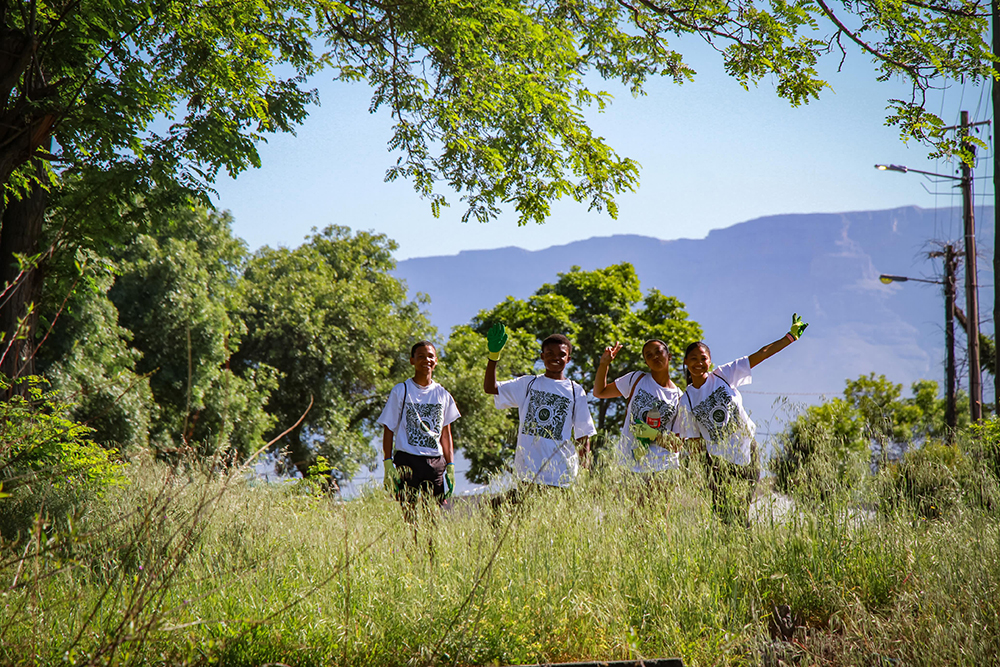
{"x": 20, "y": 234}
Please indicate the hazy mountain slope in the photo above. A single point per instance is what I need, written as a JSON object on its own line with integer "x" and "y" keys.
{"x": 743, "y": 283}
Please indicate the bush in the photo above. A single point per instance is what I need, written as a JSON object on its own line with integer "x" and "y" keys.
{"x": 46, "y": 461}
{"x": 823, "y": 449}
{"x": 937, "y": 479}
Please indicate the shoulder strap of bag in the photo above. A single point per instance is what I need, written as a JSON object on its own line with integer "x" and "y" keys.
{"x": 722, "y": 378}
{"x": 631, "y": 392}
{"x": 402, "y": 406}
{"x": 527, "y": 392}
{"x": 572, "y": 416}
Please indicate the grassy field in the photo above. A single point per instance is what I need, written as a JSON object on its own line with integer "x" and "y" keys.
{"x": 193, "y": 567}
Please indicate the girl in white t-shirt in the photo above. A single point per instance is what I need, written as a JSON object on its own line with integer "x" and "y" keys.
{"x": 647, "y": 443}
{"x": 712, "y": 414}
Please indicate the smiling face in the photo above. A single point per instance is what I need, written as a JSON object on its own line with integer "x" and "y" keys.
{"x": 424, "y": 359}
{"x": 698, "y": 361}
{"x": 656, "y": 356}
{"x": 555, "y": 356}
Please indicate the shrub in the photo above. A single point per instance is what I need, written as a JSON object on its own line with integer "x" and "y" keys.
{"x": 46, "y": 460}
{"x": 825, "y": 448}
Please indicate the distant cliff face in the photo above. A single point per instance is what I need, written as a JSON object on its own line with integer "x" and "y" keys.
{"x": 744, "y": 282}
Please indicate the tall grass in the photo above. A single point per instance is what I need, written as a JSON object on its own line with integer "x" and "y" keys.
{"x": 191, "y": 566}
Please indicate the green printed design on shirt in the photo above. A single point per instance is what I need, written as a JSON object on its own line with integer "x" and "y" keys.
{"x": 422, "y": 424}
{"x": 643, "y": 402}
{"x": 546, "y": 415}
{"x": 719, "y": 415}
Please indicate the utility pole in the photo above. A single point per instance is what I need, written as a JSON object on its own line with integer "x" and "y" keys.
{"x": 950, "y": 410}
{"x": 971, "y": 286}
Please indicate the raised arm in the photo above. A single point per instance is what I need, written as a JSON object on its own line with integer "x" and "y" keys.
{"x": 601, "y": 387}
{"x": 798, "y": 326}
{"x": 496, "y": 338}
{"x": 490, "y": 379}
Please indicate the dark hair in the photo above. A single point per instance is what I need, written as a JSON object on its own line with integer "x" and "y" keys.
{"x": 557, "y": 339}
{"x": 419, "y": 344}
{"x": 690, "y": 348}
{"x": 657, "y": 340}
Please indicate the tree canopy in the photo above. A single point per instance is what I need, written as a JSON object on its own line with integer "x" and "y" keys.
{"x": 338, "y": 328}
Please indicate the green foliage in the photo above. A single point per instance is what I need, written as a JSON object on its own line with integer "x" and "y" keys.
{"x": 156, "y": 92}
{"x": 86, "y": 353}
{"x": 939, "y": 480}
{"x": 825, "y": 447}
{"x": 829, "y": 444}
{"x": 335, "y": 324}
{"x": 48, "y": 463}
{"x": 613, "y": 569}
{"x": 179, "y": 294}
{"x": 594, "y": 309}
{"x": 502, "y": 88}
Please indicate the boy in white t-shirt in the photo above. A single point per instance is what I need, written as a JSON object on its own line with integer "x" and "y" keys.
{"x": 712, "y": 412}
{"x": 416, "y": 434}
{"x": 552, "y": 411}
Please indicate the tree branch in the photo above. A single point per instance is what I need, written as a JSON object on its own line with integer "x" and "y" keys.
{"x": 914, "y": 73}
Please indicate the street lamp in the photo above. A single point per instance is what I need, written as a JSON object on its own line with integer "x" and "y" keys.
{"x": 950, "y": 262}
{"x": 971, "y": 290}
{"x": 905, "y": 170}
{"x": 888, "y": 279}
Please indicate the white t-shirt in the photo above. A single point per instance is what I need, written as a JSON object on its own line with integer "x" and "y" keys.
{"x": 551, "y": 414}
{"x": 428, "y": 410}
{"x": 715, "y": 413}
{"x": 647, "y": 395}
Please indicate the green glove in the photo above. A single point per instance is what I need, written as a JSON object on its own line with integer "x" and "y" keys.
{"x": 390, "y": 476}
{"x": 798, "y": 326}
{"x": 449, "y": 480}
{"x": 644, "y": 432}
{"x": 496, "y": 338}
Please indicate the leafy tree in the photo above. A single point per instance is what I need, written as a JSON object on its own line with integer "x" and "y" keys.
{"x": 338, "y": 327}
{"x": 145, "y": 352}
{"x": 131, "y": 95}
{"x": 179, "y": 295}
{"x": 87, "y": 355}
{"x": 594, "y": 309}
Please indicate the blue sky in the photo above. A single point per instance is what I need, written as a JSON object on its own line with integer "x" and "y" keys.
{"x": 711, "y": 155}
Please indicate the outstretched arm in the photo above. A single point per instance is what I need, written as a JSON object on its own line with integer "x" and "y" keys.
{"x": 798, "y": 326}
{"x": 601, "y": 387}
{"x": 496, "y": 338}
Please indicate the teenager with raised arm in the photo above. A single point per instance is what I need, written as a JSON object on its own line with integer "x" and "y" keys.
{"x": 554, "y": 422}
{"x": 712, "y": 415}
{"x": 647, "y": 444}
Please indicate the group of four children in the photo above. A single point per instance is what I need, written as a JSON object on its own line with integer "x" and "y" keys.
{"x": 554, "y": 425}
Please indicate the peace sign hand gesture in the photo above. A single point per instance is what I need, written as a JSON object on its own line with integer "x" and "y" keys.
{"x": 611, "y": 352}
